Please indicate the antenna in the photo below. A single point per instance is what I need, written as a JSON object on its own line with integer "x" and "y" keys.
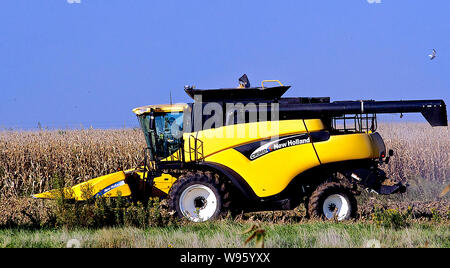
{"x": 170, "y": 96}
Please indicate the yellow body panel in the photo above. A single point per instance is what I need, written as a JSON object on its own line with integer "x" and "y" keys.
{"x": 164, "y": 182}
{"x": 221, "y": 139}
{"x": 271, "y": 173}
{"x": 122, "y": 190}
{"x": 160, "y": 108}
{"x": 314, "y": 124}
{"x": 347, "y": 147}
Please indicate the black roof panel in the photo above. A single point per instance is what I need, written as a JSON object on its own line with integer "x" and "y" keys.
{"x": 238, "y": 94}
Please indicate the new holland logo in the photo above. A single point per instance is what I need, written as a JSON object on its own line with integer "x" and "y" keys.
{"x": 109, "y": 188}
{"x": 280, "y": 144}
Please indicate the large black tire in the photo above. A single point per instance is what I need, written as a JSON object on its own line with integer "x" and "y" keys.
{"x": 202, "y": 191}
{"x": 330, "y": 196}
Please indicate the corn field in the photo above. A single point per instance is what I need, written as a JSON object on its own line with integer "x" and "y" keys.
{"x": 30, "y": 159}
{"x": 421, "y": 151}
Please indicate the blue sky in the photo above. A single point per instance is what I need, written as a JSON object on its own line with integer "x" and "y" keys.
{"x": 90, "y": 63}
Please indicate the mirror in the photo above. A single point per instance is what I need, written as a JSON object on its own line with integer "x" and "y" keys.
{"x": 152, "y": 121}
{"x": 391, "y": 152}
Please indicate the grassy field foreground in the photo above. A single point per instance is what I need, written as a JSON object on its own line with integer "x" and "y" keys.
{"x": 229, "y": 234}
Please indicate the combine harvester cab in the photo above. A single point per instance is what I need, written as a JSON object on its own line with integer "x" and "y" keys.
{"x": 304, "y": 148}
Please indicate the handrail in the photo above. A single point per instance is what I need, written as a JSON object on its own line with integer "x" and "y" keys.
{"x": 198, "y": 145}
{"x": 262, "y": 83}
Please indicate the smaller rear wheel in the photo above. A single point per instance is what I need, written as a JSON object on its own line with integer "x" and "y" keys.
{"x": 332, "y": 200}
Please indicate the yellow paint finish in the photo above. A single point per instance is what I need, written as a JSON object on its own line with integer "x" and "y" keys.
{"x": 80, "y": 191}
{"x": 347, "y": 147}
{"x": 164, "y": 182}
{"x": 314, "y": 125}
{"x": 227, "y": 137}
{"x": 124, "y": 190}
{"x": 270, "y": 174}
{"x": 160, "y": 108}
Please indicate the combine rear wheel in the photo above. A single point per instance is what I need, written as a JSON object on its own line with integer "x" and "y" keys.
{"x": 199, "y": 196}
{"x": 332, "y": 200}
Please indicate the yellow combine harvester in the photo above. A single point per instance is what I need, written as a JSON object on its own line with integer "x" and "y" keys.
{"x": 250, "y": 149}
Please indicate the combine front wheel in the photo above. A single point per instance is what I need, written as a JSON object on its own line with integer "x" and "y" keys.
{"x": 198, "y": 196}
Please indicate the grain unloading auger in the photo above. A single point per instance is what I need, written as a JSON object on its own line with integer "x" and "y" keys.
{"x": 250, "y": 149}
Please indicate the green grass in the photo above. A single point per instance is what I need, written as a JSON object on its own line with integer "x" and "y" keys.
{"x": 228, "y": 234}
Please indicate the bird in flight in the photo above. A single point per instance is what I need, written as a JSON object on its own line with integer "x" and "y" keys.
{"x": 432, "y": 55}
